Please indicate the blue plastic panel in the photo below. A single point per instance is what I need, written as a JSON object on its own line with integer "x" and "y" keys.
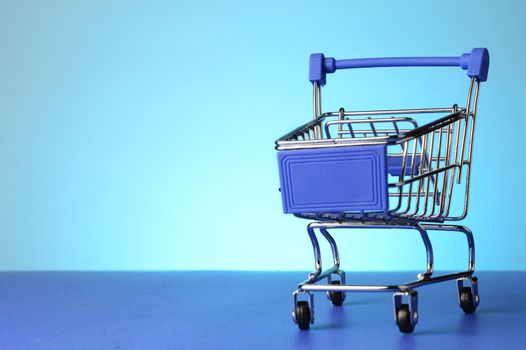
{"x": 395, "y": 162}
{"x": 334, "y": 179}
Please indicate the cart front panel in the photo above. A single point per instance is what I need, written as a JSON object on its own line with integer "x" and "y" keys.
{"x": 351, "y": 179}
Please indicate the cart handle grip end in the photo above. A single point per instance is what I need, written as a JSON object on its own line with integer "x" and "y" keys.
{"x": 476, "y": 63}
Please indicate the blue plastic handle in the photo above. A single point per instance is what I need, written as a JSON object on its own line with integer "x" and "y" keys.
{"x": 476, "y": 63}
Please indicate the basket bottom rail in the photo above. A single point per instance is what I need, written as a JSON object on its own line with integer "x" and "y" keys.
{"x": 311, "y": 287}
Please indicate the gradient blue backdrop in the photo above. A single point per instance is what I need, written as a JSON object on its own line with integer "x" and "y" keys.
{"x": 139, "y": 134}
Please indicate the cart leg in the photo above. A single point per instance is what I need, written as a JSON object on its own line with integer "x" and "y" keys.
{"x": 317, "y": 253}
{"x": 337, "y": 298}
{"x": 469, "y": 237}
{"x": 334, "y": 247}
{"x": 429, "y": 253}
{"x": 317, "y": 274}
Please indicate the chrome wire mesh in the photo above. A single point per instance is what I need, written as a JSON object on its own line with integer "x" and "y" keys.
{"x": 435, "y": 157}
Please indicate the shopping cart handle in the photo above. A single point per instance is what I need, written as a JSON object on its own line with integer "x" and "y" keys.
{"x": 476, "y": 63}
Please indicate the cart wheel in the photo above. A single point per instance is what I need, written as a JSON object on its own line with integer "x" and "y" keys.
{"x": 466, "y": 300}
{"x": 303, "y": 315}
{"x": 337, "y": 298}
{"x": 403, "y": 319}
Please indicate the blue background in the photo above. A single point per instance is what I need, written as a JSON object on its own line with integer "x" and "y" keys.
{"x": 139, "y": 135}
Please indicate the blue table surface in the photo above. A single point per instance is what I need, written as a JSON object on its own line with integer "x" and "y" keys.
{"x": 244, "y": 310}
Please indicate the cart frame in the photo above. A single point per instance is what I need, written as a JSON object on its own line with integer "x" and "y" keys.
{"x": 436, "y": 161}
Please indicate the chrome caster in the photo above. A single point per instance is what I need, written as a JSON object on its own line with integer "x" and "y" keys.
{"x": 468, "y": 297}
{"x": 303, "y": 313}
{"x": 406, "y": 315}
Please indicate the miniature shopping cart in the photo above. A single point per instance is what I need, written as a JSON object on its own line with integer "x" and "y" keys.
{"x": 381, "y": 169}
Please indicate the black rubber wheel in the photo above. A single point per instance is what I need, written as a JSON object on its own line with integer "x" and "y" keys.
{"x": 403, "y": 319}
{"x": 466, "y": 300}
{"x": 336, "y": 297}
{"x": 303, "y": 315}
